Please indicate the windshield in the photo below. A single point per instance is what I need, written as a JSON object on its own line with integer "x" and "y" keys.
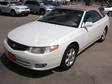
{"x": 63, "y": 17}
{"x": 15, "y": 3}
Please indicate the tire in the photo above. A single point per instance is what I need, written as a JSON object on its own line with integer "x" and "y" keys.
{"x": 0, "y": 12}
{"x": 13, "y": 13}
{"x": 103, "y": 36}
{"x": 42, "y": 12}
{"x": 69, "y": 57}
{"x": 109, "y": 13}
{"x": 26, "y": 14}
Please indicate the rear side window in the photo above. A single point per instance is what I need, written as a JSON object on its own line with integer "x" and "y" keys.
{"x": 93, "y": 15}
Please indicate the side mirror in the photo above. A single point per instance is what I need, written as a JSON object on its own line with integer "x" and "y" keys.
{"x": 87, "y": 24}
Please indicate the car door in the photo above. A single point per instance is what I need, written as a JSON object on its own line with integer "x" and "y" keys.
{"x": 96, "y": 29}
{"x": 92, "y": 33}
{"x": 36, "y": 6}
{"x": 29, "y": 4}
{"x": 4, "y": 6}
{"x": 7, "y": 7}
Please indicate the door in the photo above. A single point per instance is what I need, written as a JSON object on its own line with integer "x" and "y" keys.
{"x": 36, "y": 6}
{"x": 5, "y": 7}
{"x": 30, "y": 5}
{"x": 92, "y": 33}
{"x": 96, "y": 29}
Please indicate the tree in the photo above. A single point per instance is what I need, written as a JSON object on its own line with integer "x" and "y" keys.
{"x": 87, "y": 2}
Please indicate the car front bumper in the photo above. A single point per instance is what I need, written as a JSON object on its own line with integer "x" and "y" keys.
{"x": 34, "y": 61}
{"x": 22, "y": 11}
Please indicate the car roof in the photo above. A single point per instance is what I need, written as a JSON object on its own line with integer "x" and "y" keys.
{"x": 86, "y": 9}
{"x": 70, "y": 9}
{"x": 81, "y": 9}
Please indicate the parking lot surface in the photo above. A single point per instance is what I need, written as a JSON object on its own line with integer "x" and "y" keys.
{"x": 93, "y": 66}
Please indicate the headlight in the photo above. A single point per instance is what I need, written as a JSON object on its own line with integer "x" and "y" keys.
{"x": 42, "y": 50}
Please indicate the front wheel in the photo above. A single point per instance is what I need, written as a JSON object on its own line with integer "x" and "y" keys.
{"x": 13, "y": 13}
{"x": 68, "y": 57}
{"x": 26, "y": 14}
{"x": 103, "y": 36}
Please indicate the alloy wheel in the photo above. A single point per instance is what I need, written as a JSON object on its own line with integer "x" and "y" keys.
{"x": 70, "y": 57}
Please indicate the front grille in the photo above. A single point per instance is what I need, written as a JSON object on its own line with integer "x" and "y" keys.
{"x": 17, "y": 46}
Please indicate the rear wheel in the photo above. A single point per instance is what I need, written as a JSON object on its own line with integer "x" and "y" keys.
{"x": 109, "y": 13}
{"x": 103, "y": 36}
{"x": 69, "y": 57}
{"x": 13, "y": 13}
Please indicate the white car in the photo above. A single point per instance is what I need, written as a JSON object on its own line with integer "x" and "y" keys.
{"x": 55, "y": 39}
{"x": 106, "y": 10}
{"x": 13, "y": 8}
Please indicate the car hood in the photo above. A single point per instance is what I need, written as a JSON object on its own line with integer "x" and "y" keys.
{"x": 39, "y": 33}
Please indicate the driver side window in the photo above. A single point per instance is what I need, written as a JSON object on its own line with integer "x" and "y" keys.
{"x": 92, "y": 16}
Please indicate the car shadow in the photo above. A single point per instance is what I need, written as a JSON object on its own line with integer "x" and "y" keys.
{"x": 23, "y": 71}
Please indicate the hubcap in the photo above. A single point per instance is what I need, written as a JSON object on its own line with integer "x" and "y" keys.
{"x": 70, "y": 57}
